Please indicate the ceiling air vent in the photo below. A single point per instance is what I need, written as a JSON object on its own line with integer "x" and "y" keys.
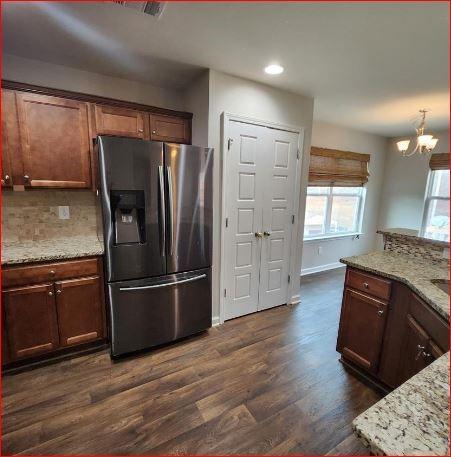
{"x": 153, "y": 8}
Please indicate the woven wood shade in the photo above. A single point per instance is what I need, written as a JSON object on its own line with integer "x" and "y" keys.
{"x": 439, "y": 161}
{"x": 331, "y": 167}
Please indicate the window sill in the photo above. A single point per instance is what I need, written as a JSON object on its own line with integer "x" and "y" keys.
{"x": 333, "y": 237}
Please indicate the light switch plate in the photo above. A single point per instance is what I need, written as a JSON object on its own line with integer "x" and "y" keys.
{"x": 63, "y": 212}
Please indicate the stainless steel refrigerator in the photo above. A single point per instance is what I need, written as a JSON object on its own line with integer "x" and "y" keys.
{"x": 157, "y": 219}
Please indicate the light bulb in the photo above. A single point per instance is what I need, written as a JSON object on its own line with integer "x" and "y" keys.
{"x": 424, "y": 140}
{"x": 431, "y": 145}
{"x": 274, "y": 69}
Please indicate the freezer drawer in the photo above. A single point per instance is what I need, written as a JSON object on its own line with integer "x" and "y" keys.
{"x": 149, "y": 312}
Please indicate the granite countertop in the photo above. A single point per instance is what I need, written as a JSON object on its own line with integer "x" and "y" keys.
{"x": 413, "y": 419}
{"x": 409, "y": 234}
{"x": 57, "y": 249}
{"x": 416, "y": 274}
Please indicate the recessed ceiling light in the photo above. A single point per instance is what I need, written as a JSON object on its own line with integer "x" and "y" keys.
{"x": 274, "y": 69}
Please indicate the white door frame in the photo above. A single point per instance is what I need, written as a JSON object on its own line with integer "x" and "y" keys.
{"x": 226, "y": 118}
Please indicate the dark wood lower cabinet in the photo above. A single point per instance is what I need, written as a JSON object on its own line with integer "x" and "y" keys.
{"x": 31, "y": 320}
{"x": 79, "y": 310}
{"x": 390, "y": 341}
{"x": 362, "y": 329}
{"x": 46, "y": 318}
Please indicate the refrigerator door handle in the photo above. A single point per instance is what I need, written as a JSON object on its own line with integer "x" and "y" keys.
{"x": 162, "y": 212}
{"x": 157, "y": 286}
{"x": 171, "y": 211}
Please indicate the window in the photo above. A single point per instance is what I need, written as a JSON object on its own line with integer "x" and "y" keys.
{"x": 436, "y": 207}
{"x": 333, "y": 211}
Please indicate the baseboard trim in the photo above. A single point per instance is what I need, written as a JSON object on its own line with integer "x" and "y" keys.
{"x": 215, "y": 321}
{"x": 321, "y": 268}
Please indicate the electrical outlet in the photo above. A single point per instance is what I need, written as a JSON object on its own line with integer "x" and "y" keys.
{"x": 320, "y": 250}
{"x": 63, "y": 212}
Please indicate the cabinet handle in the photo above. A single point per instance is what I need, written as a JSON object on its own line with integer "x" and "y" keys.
{"x": 50, "y": 293}
{"x": 58, "y": 291}
{"x": 380, "y": 312}
{"x": 366, "y": 285}
{"x": 420, "y": 351}
{"x": 140, "y": 130}
{"x": 266, "y": 234}
{"x": 26, "y": 177}
{"x": 7, "y": 177}
{"x": 258, "y": 234}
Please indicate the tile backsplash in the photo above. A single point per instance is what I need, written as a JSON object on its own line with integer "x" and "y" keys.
{"x": 33, "y": 215}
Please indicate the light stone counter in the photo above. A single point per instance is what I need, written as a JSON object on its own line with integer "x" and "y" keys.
{"x": 413, "y": 419}
{"x": 415, "y": 273}
{"x": 49, "y": 250}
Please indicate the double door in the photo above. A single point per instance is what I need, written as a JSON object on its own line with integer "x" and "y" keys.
{"x": 260, "y": 196}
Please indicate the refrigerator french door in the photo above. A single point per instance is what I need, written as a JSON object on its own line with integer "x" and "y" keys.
{"x": 157, "y": 217}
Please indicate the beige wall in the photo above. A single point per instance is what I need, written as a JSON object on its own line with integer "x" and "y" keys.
{"x": 404, "y": 186}
{"x": 251, "y": 99}
{"x": 67, "y": 78}
{"x": 337, "y": 137}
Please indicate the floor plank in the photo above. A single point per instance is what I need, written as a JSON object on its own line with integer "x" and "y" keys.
{"x": 267, "y": 383}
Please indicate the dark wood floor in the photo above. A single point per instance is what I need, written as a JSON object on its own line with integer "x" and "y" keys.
{"x": 268, "y": 383}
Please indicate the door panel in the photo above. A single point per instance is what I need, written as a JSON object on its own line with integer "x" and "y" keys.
{"x": 279, "y": 178}
{"x": 189, "y": 206}
{"x": 111, "y": 120}
{"x": 78, "y": 304}
{"x": 55, "y": 141}
{"x": 10, "y": 140}
{"x": 149, "y": 312}
{"x": 128, "y": 164}
{"x": 169, "y": 128}
{"x": 31, "y": 320}
{"x": 244, "y": 213}
{"x": 362, "y": 325}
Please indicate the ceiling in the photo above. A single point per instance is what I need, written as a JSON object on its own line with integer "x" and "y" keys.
{"x": 370, "y": 66}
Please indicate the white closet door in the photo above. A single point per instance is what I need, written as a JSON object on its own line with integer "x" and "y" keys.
{"x": 278, "y": 199}
{"x": 244, "y": 199}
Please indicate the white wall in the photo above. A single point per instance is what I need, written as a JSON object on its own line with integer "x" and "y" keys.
{"x": 404, "y": 185}
{"x": 336, "y": 137}
{"x": 197, "y": 102}
{"x": 61, "y": 77}
{"x": 255, "y": 100}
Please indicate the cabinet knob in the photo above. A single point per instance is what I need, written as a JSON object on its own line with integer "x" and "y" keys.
{"x": 140, "y": 130}
{"x": 52, "y": 272}
{"x": 366, "y": 285}
{"x": 50, "y": 293}
{"x": 58, "y": 291}
{"x": 7, "y": 178}
{"x": 154, "y": 132}
{"x": 26, "y": 177}
{"x": 380, "y": 312}
{"x": 258, "y": 234}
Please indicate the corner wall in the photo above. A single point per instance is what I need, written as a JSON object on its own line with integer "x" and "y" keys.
{"x": 404, "y": 187}
{"x": 255, "y": 100}
{"x": 333, "y": 136}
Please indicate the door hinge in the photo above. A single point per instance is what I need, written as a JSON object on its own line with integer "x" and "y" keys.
{"x": 292, "y": 218}
{"x": 225, "y": 292}
{"x": 227, "y": 222}
{"x": 289, "y": 278}
{"x": 229, "y": 143}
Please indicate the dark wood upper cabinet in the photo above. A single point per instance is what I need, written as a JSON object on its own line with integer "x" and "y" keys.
{"x": 10, "y": 136}
{"x": 79, "y": 308}
{"x": 30, "y": 317}
{"x": 170, "y": 128}
{"x": 55, "y": 141}
{"x": 111, "y": 120}
{"x": 361, "y": 330}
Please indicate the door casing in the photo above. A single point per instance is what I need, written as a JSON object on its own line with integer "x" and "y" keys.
{"x": 226, "y": 118}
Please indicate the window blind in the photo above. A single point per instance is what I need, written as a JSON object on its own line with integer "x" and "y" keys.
{"x": 439, "y": 161}
{"x": 331, "y": 167}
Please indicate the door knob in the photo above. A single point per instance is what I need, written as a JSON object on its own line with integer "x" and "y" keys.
{"x": 266, "y": 233}
{"x": 258, "y": 234}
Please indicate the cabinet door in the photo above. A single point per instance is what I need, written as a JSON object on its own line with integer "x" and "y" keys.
{"x": 31, "y": 322}
{"x": 10, "y": 138}
{"x": 170, "y": 128}
{"x": 79, "y": 310}
{"x": 361, "y": 330}
{"x": 111, "y": 120}
{"x": 416, "y": 350}
{"x": 55, "y": 141}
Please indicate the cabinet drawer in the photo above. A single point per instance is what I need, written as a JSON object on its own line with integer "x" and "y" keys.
{"x": 373, "y": 285}
{"x": 430, "y": 321}
{"x": 33, "y": 274}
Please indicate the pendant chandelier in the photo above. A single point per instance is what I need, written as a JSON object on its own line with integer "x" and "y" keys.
{"x": 425, "y": 143}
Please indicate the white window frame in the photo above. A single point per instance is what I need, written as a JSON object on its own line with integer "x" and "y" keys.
{"x": 428, "y": 197}
{"x": 330, "y": 235}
